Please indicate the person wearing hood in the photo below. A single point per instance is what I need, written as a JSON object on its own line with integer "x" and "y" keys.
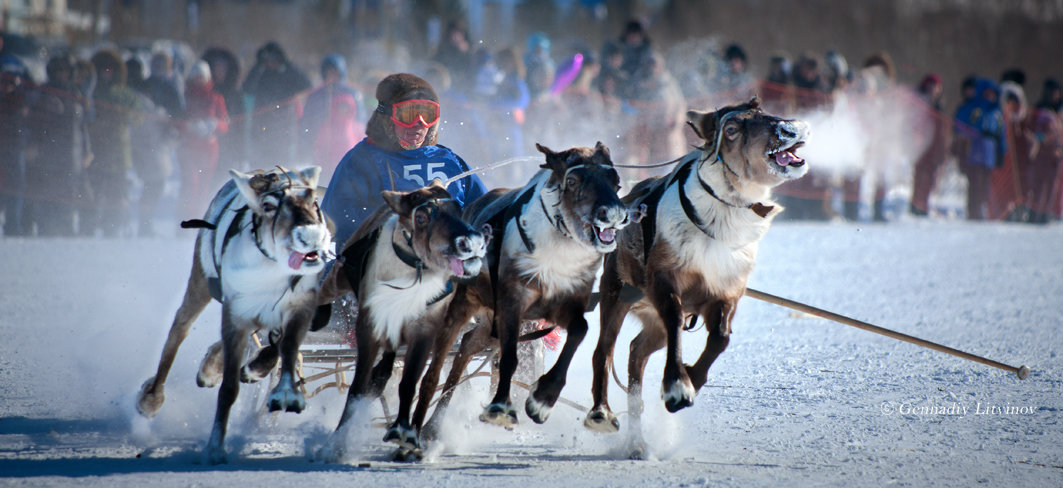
{"x": 329, "y": 126}
{"x": 1044, "y": 177}
{"x": 932, "y": 158}
{"x": 979, "y": 122}
{"x": 400, "y": 152}
{"x": 118, "y": 108}
{"x": 205, "y": 118}
{"x": 60, "y": 138}
{"x": 15, "y": 88}
{"x": 272, "y": 87}
{"x": 232, "y": 146}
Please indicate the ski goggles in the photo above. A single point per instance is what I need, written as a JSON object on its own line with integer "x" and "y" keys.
{"x": 409, "y": 113}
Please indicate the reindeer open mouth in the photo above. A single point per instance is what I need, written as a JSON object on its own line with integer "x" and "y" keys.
{"x": 786, "y": 157}
{"x": 296, "y": 259}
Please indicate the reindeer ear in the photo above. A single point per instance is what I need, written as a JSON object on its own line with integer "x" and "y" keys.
{"x": 702, "y": 123}
{"x": 549, "y": 154}
{"x": 395, "y": 201}
{"x": 601, "y": 153}
{"x": 243, "y": 183}
{"x": 437, "y": 182}
{"x": 310, "y": 175}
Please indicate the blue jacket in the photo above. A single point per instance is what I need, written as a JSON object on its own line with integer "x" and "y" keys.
{"x": 366, "y": 170}
{"x": 982, "y": 123}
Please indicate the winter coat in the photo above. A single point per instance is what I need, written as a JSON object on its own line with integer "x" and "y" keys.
{"x": 329, "y": 126}
{"x": 981, "y": 124}
{"x": 367, "y": 170}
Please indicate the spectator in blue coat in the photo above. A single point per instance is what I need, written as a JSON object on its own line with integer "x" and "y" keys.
{"x": 980, "y": 125}
{"x": 400, "y": 152}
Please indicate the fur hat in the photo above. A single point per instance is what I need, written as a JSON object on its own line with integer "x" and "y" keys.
{"x": 392, "y": 89}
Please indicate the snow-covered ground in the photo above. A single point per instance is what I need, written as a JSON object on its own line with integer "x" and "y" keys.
{"x": 794, "y": 401}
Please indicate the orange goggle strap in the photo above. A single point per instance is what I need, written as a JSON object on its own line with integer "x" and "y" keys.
{"x": 414, "y": 110}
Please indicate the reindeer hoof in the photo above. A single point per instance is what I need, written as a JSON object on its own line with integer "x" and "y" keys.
{"x": 216, "y": 455}
{"x": 501, "y": 414}
{"x": 678, "y": 396}
{"x": 261, "y": 366}
{"x": 405, "y": 437}
{"x": 287, "y": 400}
{"x": 210, "y": 367}
{"x": 537, "y": 410}
{"x": 430, "y": 430}
{"x": 602, "y": 420}
{"x": 149, "y": 403}
{"x": 637, "y": 452}
{"x": 402, "y": 455}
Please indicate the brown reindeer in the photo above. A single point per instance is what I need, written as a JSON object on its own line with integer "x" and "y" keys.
{"x": 549, "y": 238}
{"x": 401, "y": 265}
{"x": 690, "y": 257}
{"x": 262, "y": 246}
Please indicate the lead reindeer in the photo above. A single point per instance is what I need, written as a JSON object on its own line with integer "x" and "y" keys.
{"x": 692, "y": 253}
{"x": 548, "y": 243}
{"x": 400, "y": 265}
{"x": 260, "y": 251}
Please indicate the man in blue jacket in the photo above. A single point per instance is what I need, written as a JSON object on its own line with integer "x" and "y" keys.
{"x": 980, "y": 128}
{"x": 400, "y": 152}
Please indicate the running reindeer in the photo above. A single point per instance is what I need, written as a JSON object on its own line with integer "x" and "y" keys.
{"x": 260, "y": 250}
{"x": 400, "y": 265}
{"x": 549, "y": 238}
{"x": 692, "y": 253}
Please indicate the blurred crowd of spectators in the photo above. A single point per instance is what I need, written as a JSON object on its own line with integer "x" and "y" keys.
{"x": 110, "y": 140}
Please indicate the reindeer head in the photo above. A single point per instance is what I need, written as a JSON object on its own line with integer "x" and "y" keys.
{"x": 757, "y": 146}
{"x": 582, "y": 192}
{"x": 432, "y": 223}
{"x": 288, "y": 225}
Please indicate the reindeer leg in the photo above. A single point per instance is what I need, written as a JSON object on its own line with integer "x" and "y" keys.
{"x": 547, "y": 390}
{"x": 285, "y": 395}
{"x": 651, "y": 339}
{"x": 235, "y": 338}
{"x": 210, "y": 368}
{"x": 472, "y": 342}
{"x": 500, "y": 411}
{"x": 601, "y": 418}
{"x": 197, "y": 296}
{"x": 400, "y": 431}
{"x": 458, "y": 313}
{"x": 718, "y": 322}
{"x": 676, "y": 389}
{"x": 368, "y": 347}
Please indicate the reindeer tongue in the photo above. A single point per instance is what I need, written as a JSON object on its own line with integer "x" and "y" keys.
{"x": 295, "y": 260}
{"x": 784, "y": 158}
{"x": 457, "y": 267}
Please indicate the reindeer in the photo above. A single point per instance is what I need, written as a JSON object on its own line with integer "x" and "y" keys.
{"x": 260, "y": 250}
{"x": 692, "y": 253}
{"x": 401, "y": 265}
{"x": 549, "y": 238}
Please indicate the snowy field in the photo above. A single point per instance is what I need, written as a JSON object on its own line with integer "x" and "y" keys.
{"x": 794, "y": 401}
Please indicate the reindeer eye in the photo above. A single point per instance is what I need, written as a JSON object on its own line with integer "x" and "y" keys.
{"x": 420, "y": 218}
{"x": 268, "y": 207}
{"x": 571, "y": 181}
{"x": 731, "y": 130}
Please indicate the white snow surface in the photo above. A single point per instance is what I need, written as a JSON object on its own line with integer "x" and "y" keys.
{"x": 794, "y": 401}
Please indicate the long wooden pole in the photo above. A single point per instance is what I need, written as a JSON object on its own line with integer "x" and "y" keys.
{"x": 1022, "y": 371}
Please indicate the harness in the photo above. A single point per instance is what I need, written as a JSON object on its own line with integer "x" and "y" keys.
{"x": 357, "y": 256}
{"x": 234, "y": 229}
{"x": 652, "y": 199}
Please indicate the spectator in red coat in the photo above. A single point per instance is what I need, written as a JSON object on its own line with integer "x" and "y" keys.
{"x": 205, "y": 118}
{"x": 1044, "y": 173}
{"x": 932, "y": 158}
